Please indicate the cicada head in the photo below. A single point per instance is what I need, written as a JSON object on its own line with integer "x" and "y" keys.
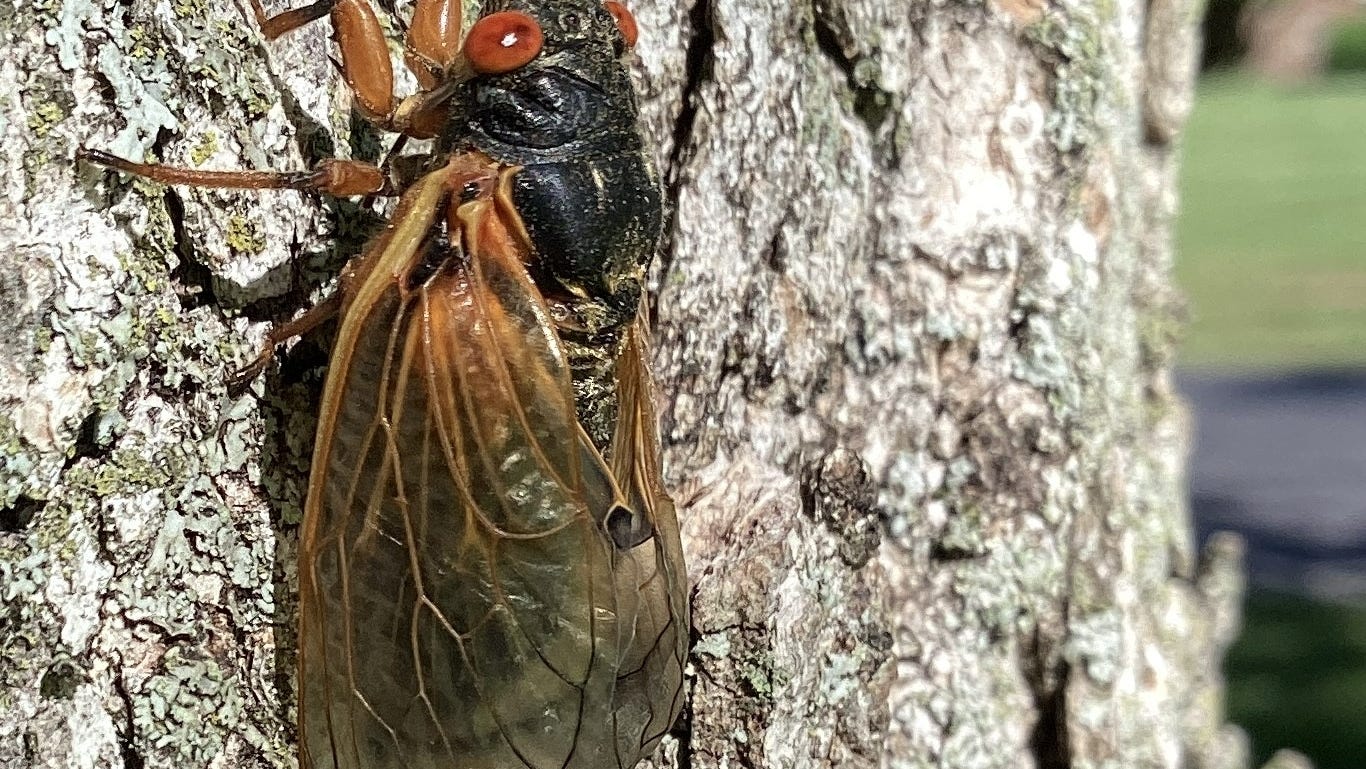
{"x": 549, "y": 74}
{"x": 551, "y": 94}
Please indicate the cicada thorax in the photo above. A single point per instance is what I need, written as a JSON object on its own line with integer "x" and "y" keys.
{"x": 585, "y": 192}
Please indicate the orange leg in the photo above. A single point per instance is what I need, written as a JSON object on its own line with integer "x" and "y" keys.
{"x": 472, "y": 174}
{"x": 432, "y": 53}
{"x": 277, "y": 25}
{"x": 332, "y": 177}
{"x": 313, "y": 317}
{"x": 433, "y": 42}
{"x": 433, "y": 45}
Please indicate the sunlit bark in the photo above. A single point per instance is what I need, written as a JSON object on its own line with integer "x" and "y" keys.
{"x": 914, "y": 328}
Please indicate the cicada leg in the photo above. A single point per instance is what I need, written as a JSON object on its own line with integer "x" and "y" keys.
{"x": 333, "y": 176}
{"x": 432, "y": 46}
{"x": 280, "y": 333}
{"x": 465, "y": 175}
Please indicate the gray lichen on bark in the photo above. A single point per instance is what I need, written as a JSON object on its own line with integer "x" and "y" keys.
{"x": 146, "y": 599}
{"x": 913, "y": 336}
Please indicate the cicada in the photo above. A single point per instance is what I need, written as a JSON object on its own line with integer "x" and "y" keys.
{"x": 490, "y": 573}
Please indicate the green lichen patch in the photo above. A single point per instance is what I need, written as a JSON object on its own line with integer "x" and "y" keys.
{"x": 126, "y": 471}
{"x": 190, "y": 10}
{"x": 715, "y": 645}
{"x": 141, "y": 48}
{"x": 186, "y": 708}
{"x": 204, "y": 148}
{"x": 25, "y": 643}
{"x": 1071, "y": 38}
{"x": 245, "y": 236}
{"x": 45, "y": 116}
{"x": 761, "y": 676}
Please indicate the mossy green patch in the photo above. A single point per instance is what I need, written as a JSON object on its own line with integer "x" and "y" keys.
{"x": 204, "y": 148}
{"x": 1270, "y": 234}
{"x": 245, "y": 236}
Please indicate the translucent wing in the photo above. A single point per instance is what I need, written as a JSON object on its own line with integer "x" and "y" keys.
{"x": 650, "y": 684}
{"x": 462, "y": 603}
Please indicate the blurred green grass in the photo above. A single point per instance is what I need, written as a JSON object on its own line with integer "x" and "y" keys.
{"x": 1272, "y": 231}
{"x": 1297, "y": 679}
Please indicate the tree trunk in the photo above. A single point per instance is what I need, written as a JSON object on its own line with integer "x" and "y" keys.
{"x": 914, "y": 333}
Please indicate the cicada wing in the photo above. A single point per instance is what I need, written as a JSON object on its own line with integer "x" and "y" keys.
{"x": 342, "y": 609}
{"x": 457, "y": 595}
{"x": 650, "y": 685}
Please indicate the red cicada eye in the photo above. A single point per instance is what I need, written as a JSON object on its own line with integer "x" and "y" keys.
{"x": 626, "y": 23}
{"x": 502, "y": 42}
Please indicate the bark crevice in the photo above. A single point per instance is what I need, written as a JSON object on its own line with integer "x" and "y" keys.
{"x": 1049, "y": 740}
{"x": 127, "y": 729}
{"x": 697, "y": 72}
{"x": 16, "y": 517}
{"x": 871, "y": 104}
{"x": 194, "y": 278}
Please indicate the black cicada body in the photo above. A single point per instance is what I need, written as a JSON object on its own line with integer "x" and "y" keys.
{"x": 586, "y": 190}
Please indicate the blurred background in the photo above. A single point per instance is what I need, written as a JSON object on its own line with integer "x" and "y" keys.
{"x": 1272, "y": 237}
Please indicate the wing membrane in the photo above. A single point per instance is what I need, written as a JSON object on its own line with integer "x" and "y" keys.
{"x": 462, "y": 606}
{"x": 652, "y": 673}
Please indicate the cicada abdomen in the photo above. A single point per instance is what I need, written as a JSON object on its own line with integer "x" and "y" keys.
{"x": 490, "y": 572}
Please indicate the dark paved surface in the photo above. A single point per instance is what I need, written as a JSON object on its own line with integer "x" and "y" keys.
{"x": 1282, "y": 460}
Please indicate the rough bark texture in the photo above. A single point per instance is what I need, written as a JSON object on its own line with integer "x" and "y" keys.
{"x": 914, "y": 335}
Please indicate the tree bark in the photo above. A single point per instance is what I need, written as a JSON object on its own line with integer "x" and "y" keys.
{"x": 914, "y": 330}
